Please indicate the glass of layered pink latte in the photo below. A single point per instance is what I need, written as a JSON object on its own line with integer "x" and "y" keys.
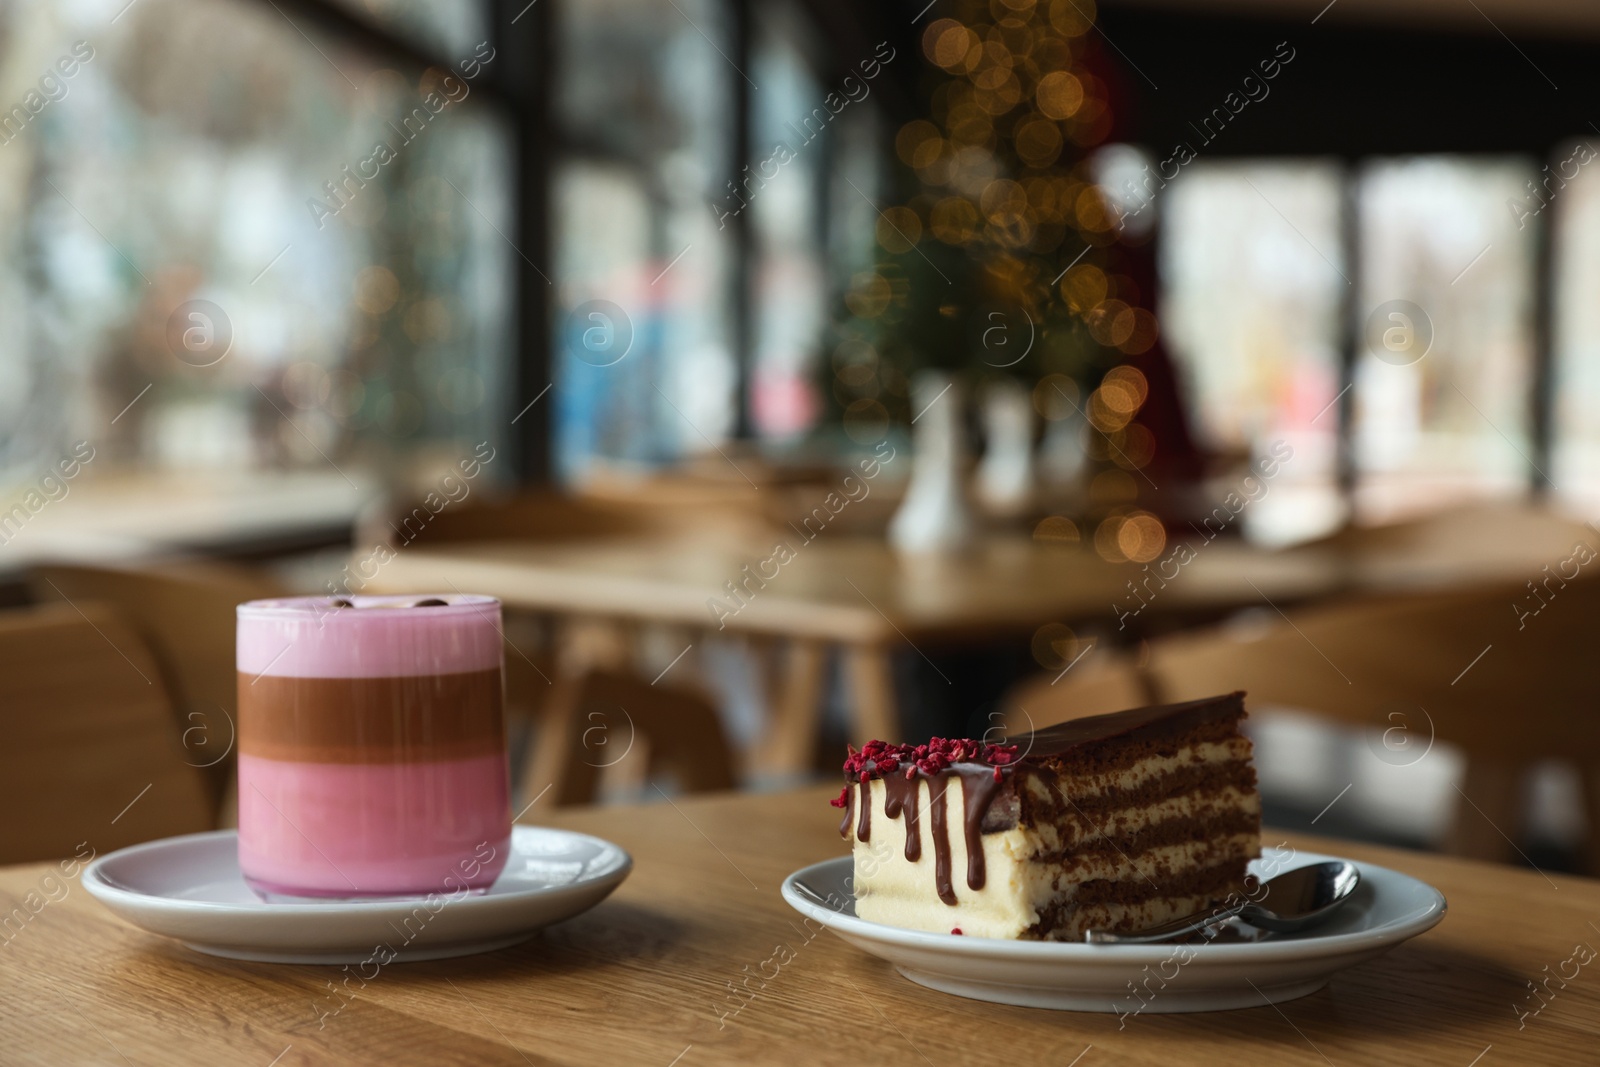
{"x": 372, "y": 753}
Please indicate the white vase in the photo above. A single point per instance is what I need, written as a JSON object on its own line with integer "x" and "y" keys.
{"x": 1062, "y": 459}
{"x": 935, "y": 515}
{"x": 1005, "y": 477}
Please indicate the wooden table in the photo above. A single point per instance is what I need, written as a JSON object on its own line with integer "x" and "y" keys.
{"x": 850, "y": 594}
{"x": 856, "y": 595}
{"x": 643, "y": 978}
{"x": 111, "y": 515}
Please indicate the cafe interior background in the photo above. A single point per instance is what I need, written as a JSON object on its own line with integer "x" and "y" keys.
{"x": 799, "y": 371}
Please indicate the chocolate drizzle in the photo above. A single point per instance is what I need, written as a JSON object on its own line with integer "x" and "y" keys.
{"x": 978, "y": 788}
{"x": 941, "y": 839}
{"x": 902, "y": 794}
{"x": 902, "y": 799}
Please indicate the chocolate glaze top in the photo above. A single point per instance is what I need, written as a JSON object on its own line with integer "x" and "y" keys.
{"x": 1156, "y": 721}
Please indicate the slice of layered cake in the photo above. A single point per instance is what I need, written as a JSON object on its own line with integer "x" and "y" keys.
{"x": 1117, "y": 822}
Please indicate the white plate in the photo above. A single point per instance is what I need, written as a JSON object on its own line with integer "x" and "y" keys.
{"x": 190, "y": 888}
{"x": 1387, "y": 908}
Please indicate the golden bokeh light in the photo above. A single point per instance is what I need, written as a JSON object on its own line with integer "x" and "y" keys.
{"x": 1038, "y": 142}
{"x": 918, "y": 143}
{"x": 1055, "y": 396}
{"x": 1119, "y": 396}
{"x": 1057, "y": 530}
{"x": 1145, "y": 331}
{"x": 899, "y": 229}
{"x": 952, "y": 46}
{"x": 1141, "y": 537}
{"x": 1136, "y": 447}
{"x": 1084, "y": 287}
{"x": 1107, "y": 544}
{"x": 994, "y": 57}
{"x": 1003, "y": 200}
{"x": 1102, "y": 415}
{"x": 1133, "y": 379}
{"x": 1110, "y": 323}
{"x": 999, "y": 98}
{"x": 1072, "y": 18}
{"x": 1054, "y": 646}
{"x": 1060, "y": 94}
{"x": 869, "y": 294}
{"x": 953, "y": 220}
{"x": 1094, "y": 213}
{"x": 1017, "y": 36}
{"x": 971, "y": 125}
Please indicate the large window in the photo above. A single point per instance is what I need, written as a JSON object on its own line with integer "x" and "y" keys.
{"x": 1257, "y": 277}
{"x": 331, "y": 200}
{"x": 232, "y": 240}
{"x": 1444, "y": 379}
{"x": 644, "y": 362}
{"x": 1252, "y": 267}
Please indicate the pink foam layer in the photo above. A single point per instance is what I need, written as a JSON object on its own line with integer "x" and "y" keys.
{"x": 307, "y": 637}
{"x": 337, "y": 829}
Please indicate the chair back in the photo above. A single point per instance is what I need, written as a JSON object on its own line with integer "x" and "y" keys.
{"x": 612, "y": 717}
{"x": 185, "y": 614}
{"x": 93, "y": 756}
{"x": 1490, "y": 669}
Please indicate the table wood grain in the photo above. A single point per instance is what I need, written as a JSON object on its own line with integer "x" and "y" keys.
{"x": 648, "y": 977}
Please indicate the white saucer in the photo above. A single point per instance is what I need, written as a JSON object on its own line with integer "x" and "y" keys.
{"x": 1387, "y": 908}
{"x": 190, "y": 888}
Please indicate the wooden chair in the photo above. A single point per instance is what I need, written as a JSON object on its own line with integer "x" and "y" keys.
{"x": 93, "y": 757}
{"x": 614, "y": 720}
{"x": 1469, "y": 668}
{"x": 185, "y": 614}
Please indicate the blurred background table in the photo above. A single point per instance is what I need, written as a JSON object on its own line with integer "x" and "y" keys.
{"x": 645, "y": 976}
{"x": 126, "y": 516}
{"x": 856, "y": 596}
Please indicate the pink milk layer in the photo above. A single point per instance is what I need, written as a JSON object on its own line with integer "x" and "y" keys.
{"x": 340, "y": 830}
{"x": 337, "y": 829}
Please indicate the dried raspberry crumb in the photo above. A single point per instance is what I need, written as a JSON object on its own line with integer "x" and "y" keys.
{"x": 956, "y": 930}
{"x": 877, "y": 758}
{"x": 842, "y": 799}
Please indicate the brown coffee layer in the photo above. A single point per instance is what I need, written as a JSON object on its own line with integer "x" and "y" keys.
{"x": 412, "y": 719}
